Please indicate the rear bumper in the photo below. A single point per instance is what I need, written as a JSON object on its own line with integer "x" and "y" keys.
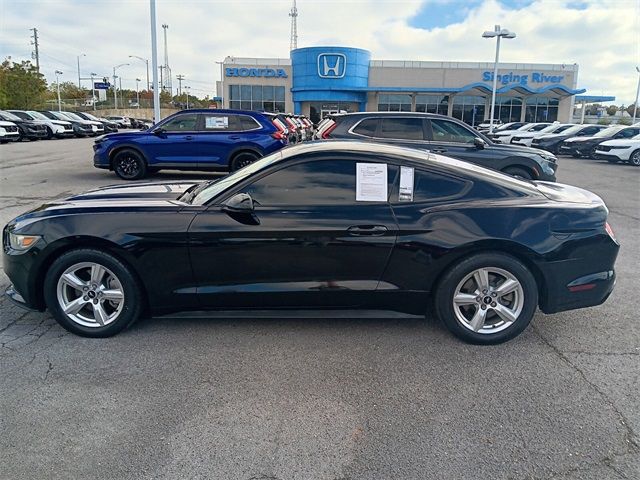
{"x": 586, "y": 291}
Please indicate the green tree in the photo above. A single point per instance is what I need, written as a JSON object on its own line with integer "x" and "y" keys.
{"x": 21, "y": 86}
{"x": 69, "y": 90}
{"x": 612, "y": 110}
{"x": 630, "y": 109}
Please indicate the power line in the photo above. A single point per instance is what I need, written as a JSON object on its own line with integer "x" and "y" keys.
{"x": 180, "y": 78}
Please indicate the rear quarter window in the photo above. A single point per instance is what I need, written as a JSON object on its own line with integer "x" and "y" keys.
{"x": 366, "y": 127}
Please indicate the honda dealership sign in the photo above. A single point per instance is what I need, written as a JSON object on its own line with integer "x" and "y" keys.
{"x": 332, "y": 65}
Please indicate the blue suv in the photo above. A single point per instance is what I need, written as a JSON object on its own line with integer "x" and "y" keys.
{"x": 190, "y": 140}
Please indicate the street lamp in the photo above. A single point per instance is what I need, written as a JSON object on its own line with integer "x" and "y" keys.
{"x": 221, "y": 93}
{"x": 58, "y": 72}
{"x": 138, "y": 92}
{"x": 93, "y": 91}
{"x": 78, "y": 58}
{"x": 498, "y": 33}
{"x": 635, "y": 105}
{"x": 115, "y": 95}
{"x": 186, "y": 89}
{"x": 147, "y": 63}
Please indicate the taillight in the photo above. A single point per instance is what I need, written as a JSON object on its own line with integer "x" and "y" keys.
{"x": 609, "y": 230}
{"x": 281, "y": 134}
{"x": 329, "y": 129}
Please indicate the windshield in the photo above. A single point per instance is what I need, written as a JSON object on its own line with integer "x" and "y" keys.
{"x": 73, "y": 116}
{"x": 10, "y": 116}
{"x": 572, "y": 130}
{"x": 608, "y": 132}
{"x": 555, "y": 128}
{"x": 90, "y": 117}
{"x": 209, "y": 190}
{"x": 37, "y": 115}
{"x": 506, "y": 126}
{"x": 60, "y": 116}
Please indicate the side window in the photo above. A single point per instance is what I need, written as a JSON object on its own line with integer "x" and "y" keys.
{"x": 367, "y": 127}
{"x": 537, "y": 128}
{"x": 401, "y": 128}
{"x": 430, "y": 186}
{"x": 590, "y": 130}
{"x": 320, "y": 182}
{"x": 217, "y": 122}
{"x": 628, "y": 133}
{"x": 181, "y": 123}
{"x": 446, "y": 131}
{"x": 247, "y": 123}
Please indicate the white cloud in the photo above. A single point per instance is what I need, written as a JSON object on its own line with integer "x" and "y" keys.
{"x": 604, "y": 38}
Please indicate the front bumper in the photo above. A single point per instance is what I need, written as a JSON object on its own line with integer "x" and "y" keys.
{"x": 609, "y": 156}
{"x": 11, "y": 137}
{"x": 34, "y": 134}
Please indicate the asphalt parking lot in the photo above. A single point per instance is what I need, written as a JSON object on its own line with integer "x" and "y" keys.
{"x": 318, "y": 395}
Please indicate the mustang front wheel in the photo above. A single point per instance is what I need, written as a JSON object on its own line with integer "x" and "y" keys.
{"x": 92, "y": 293}
{"x": 487, "y": 298}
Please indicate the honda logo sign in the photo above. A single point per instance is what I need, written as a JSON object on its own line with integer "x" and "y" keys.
{"x": 332, "y": 65}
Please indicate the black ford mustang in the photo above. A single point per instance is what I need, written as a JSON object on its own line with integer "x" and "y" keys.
{"x": 339, "y": 224}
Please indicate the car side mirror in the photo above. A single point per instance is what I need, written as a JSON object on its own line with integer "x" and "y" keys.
{"x": 239, "y": 203}
{"x": 159, "y": 131}
{"x": 479, "y": 143}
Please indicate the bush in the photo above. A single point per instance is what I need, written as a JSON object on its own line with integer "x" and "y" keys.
{"x": 624, "y": 121}
{"x": 604, "y": 121}
{"x": 612, "y": 110}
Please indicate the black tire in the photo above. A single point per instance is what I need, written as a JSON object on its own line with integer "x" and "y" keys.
{"x": 242, "y": 159}
{"x": 128, "y": 164}
{"x": 49, "y": 133}
{"x": 518, "y": 173}
{"x": 448, "y": 287}
{"x": 131, "y": 302}
{"x": 634, "y": 158}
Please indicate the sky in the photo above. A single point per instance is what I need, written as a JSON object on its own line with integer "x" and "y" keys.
{"x": 601, "y": 36}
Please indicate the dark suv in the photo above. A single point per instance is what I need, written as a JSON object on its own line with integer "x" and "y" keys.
{"x": 442, "y": 135}
{"x": 190, "y": 140}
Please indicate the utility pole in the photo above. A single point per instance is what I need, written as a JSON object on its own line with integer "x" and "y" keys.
{"x": 36, "y": 53}
{"x": 93, "y": 91}
{"x": 58, "y": 72}
{"x": 154, "y": 61}
{"x": 180, "y": 78}
{"x": 78, "y": 57}
{"x": 167, "y": 69}
{"x": 293, "y": 42}
{"x": 138, "y": 92}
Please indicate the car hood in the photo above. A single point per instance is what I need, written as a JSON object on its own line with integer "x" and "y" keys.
{"x": 582, "y": 139}
{"x": 629, "y": 142}
{"x": 512, "y": 148}
{"x": 4, "y": 123}
{"x": 142, "y": 191}
{"x": 122, "y": 135}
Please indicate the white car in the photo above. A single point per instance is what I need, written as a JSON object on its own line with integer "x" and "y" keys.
{"x": 55, "y": 128}
{"x": 123, "y": 122}
{"x": 8, "y": 132}
{"x": 525, "y": 138}
{"x": 614, "y": 151}
{"x": 505, "y": 136}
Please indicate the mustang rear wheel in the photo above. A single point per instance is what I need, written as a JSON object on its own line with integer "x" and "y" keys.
{"x": 129, "y": 165}
{"x": 487, "y": 298}
{"x": 92, "y": 293}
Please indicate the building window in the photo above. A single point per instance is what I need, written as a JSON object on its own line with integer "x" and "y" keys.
{"x": 267, "y": 98}
{"x": 541, "y": 109}
{"x": 432, "y": 103}
{"x": 469, "y": 109}
{"x": 394, "y": 103}
{"x": 508, "y": 109}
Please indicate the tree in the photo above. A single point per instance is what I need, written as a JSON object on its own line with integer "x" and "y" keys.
{"x": 592, "y": 109}
{"x": 630, "y": 109}
{"x": 612, "y": 110}
{"x": 69, "y": 90}
{"x": 21, "y": 86}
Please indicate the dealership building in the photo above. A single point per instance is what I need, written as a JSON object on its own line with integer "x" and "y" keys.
{"x": 318, "y": 80}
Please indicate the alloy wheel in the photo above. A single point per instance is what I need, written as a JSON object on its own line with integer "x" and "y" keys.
{"x": 90, "y": 294}
{"x": 128, "y": 166}
{"x": 635, "y": 158}
{"x": 488, "y": 300}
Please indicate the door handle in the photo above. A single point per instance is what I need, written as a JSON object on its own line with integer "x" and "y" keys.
{"x": 360, "y": 230}
{"x": 189, "y": 137}
{"x": 438, "y": 150}
{"x": 234, "y": 137}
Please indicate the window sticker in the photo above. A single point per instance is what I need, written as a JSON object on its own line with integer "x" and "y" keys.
{"x": 216, "y": 122}
{"x": 405, "y": 192}
{"x": 371, "y": 182}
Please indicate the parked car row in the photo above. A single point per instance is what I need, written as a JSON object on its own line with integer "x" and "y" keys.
{"x": 296, "y": 128}
{"x": 18, "y": 125}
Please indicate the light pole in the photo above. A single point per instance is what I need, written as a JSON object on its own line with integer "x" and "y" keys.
{"x": 78, "y": 58}
{"x": 154, "y": 61}
{"x": 498, "y": 33}
{"x": 147, "y": 63}
{"x": 93, "y": 91}
{"x": 221, "y": 93}
{"x": 635, "y": 105}
{"x": 186, "y": 89}
{"x": 115, "y": 94}
{"x": 138, "y": 92}
{"x": 58, "y": 72}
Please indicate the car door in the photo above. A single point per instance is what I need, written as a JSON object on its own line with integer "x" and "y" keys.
{"x": 397, "y": 130}
{"x": 171, "y": 143}
{"x": 456, "y": 141}
{"x": 308, "y": 241}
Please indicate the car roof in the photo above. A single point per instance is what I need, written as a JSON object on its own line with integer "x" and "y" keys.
{"x": 390, "y": 114}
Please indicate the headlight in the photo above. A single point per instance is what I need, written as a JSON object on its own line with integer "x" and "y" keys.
{"x": 549, "y": 157}
{"x": 22, "y": 242}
